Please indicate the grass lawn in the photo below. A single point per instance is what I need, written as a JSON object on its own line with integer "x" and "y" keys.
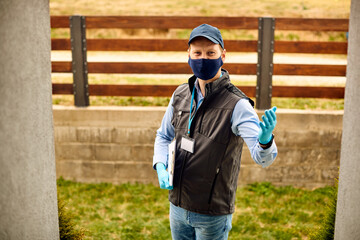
{"x": 139, "y": 211}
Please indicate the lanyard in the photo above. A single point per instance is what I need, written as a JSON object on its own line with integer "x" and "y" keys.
{"x": 191, "y": 106}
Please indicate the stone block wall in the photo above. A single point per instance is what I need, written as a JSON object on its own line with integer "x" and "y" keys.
{"x": 115, "y": 144}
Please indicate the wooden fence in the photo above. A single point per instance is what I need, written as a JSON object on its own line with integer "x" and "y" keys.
{"x": 252, "y": 23}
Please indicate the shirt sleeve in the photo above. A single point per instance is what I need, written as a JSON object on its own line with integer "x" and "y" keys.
{"x": 245, "y": 123}
{"x": 164, "y": 135}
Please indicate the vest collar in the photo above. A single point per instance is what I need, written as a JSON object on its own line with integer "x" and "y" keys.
{"x": 214, "y": 86}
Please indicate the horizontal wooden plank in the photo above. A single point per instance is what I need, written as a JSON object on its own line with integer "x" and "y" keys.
{"x": 308, "y": 92}
{"x": 148, "y": 45}
{"x": 62, "y": 88}
{"x": 59, "y": 22}
{"x": 147, "y": 68}
{"x": 167, "y": 90}
{"x": 163, "y": 22}
{"x": 61, "y": 67}
{"x": 181, "y": 45}
{"x": 138, "y": 67}
{"x": 137, "y": 45}
{"x": 60, "y": 44}
{"x": 145, "y": 90}
{"x": 159, "y": 22}
{"x": 312, "y": 24}
{"x": 161, "y": 68}
{"x": 131, "y": 90}
{"x": 161, "y": 45}
{"x": 183, "y": 68}
{"x": 309, "y": 70}
{"x": 310, "y": 47}
{"x": 240, "y": 46}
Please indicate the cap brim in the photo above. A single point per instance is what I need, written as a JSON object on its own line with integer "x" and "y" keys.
{"x": 205, "y": 36}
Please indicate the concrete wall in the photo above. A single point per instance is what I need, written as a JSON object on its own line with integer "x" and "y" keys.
{"x": 28, "y": 205}
{"x": 115, "y": 144}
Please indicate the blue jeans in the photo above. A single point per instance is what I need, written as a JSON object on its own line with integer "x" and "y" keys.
{"x": 187, "y": 225}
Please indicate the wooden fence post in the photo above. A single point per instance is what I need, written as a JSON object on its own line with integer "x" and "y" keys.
{"x": 79, "y": 61}
{"x": 265, "y": 63}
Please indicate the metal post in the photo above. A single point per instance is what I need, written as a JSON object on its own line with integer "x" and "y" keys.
{"x": 265, "y": 63}
{"x": 79, "y": 60}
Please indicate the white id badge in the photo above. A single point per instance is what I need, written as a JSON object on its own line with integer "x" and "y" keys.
{"x": 187, "y": 144}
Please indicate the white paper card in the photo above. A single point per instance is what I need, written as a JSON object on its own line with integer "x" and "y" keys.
{"x": 171, "y": 161}
{"x": 187, "y": 144}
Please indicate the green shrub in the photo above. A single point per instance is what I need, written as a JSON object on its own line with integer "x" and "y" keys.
{"x": 67, "y": 228}
{"x": 326, "y": 231}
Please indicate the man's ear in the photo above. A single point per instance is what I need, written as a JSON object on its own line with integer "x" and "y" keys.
{"x": 223, "y": 55}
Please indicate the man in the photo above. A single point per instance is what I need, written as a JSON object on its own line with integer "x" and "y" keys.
{"x": 210, "y": 119}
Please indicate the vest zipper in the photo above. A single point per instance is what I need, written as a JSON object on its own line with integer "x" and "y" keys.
{"x": 201, "y": 119}
{"x": 213, "y": 185}
{"x": 186, "y": 157}
{"x": 202, "y": 115}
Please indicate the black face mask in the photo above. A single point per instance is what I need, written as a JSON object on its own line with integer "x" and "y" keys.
{"x": 205, "y": 69}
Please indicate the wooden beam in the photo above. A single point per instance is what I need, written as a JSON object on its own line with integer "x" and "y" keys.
{"x": 310, "y": 47}
{"x": 183, "y": 68}
{"x": 132, "y": 90}
{"x": 59, "y": 22}
{"x": 161, "y": 22}
{"x": 181, "y": 45}
{"x": 60, "y": 44}
{"x": 312, "y": 24}
{"x": 139, "y": 67}
{"x": 148, "y": 45}
{"x": 308, "y": 92}
{"x": 167, "y": 90}
{"x": 145, "y": 90}
{"x": 61, "y": 67}
{"x": 161, "y": 45}
{"x": 62, "y": 88}
{"x": 137, "y": 45}
{"x": 161, "y": 68}
{"x": 309, "y": 70}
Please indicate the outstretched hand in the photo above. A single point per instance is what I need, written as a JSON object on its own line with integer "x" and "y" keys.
{"x": 267, "y": 126}
{"x": 163, "y": 176}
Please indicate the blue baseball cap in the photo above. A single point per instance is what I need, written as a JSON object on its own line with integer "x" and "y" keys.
{"x": 209, "y": 32}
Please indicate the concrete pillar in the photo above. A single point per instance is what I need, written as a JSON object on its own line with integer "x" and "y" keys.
{"x": 347, "y": 224}
{"x": 28, "y": 199}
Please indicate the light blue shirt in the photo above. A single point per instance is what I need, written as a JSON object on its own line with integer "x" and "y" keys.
{"x": 244, "y": 123}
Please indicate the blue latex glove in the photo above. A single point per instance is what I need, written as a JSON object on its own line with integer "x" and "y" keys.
{"x": 163, "y": 176}
{"x": 267, "y": 127}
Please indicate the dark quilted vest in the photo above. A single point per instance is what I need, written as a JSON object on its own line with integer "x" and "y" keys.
{"x": 206, "y": 181}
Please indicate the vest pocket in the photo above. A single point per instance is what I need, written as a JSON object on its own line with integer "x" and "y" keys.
{"x": 213, "y": 185}
{"x": 181, "y": 118}
{"x": 215, "y": 124}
